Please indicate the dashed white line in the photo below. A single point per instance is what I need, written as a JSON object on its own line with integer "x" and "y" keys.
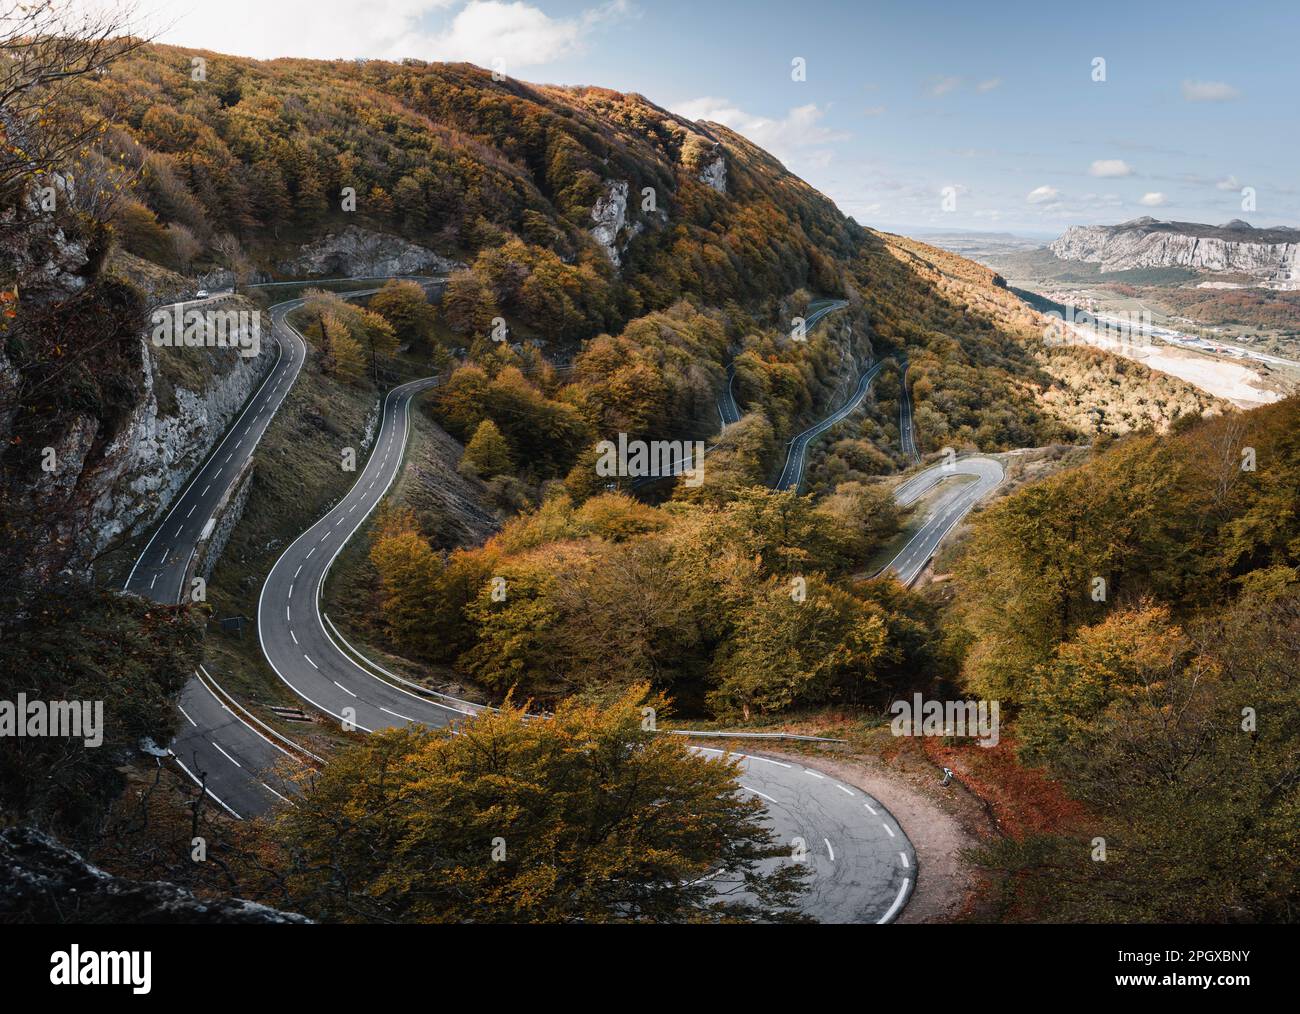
{"x": 402, "y": 717}
{"x": 843, "y": 789}
{"x": 830, "y": 851}
{"x": 187, "y": 716}
{"x": 224, "y": 754}
{"x": 873, "y": 812}
{"x": 814, "y": 774}
{"x": 344, "y": 689}
{"x": 888, "y": 828}
{"x": 757, "y": 793}
{"x": 310, "y": 662}
{"x": 294, "y": 636}
{"x": 903, "y": 856}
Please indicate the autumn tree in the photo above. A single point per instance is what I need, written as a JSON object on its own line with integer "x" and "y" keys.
{"x": 408, "y": 571}
{"x": 467, "y": 305}
{"x": 487, "y": 453}
{"x": 583, "y": 817}
{"x": 405, "y": 305}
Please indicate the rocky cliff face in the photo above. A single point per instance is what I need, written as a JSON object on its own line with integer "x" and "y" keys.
{"x": 1270, "y": 255}
{"x": 714, "y": 174}
{"x": 610, "y": 215}
{"x": 107, "y": 485}
{"x": 358, "y": 252}
{"x": 45, "y": 882}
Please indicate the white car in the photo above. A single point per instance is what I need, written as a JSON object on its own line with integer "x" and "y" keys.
{"x": 201, "y": 294}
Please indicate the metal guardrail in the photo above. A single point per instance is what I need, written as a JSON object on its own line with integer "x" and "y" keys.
{"x": 706, "y": 734}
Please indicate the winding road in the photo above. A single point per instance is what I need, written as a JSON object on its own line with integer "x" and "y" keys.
{"x": 983, "y": 475}
{"x": 906, "y": 429}
{"x": 863, "y": 866}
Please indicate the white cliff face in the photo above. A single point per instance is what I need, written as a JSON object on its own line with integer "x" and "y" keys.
{"x": 610, "y": 215}
{"x": 103, "y": 490}
{"x": 360, "y": 252}
{"x": 1271, "y": 256}
{"x": 150, "y": 460}
{"x": 714, "y": 174}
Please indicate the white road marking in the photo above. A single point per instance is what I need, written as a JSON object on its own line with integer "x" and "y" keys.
{"x": 843, "y": 789}
{"x": 403, "y": 717}
{"x": 205, "y": 489}
{"x": 873, "y": 812}
{"x": 191, "y": 510}
{"x": 888, "y": 828}
{"x": 343, "y": 688}
{"x": 151, "y": 583}
{"x": 902, "y": 893}
{"x": 298, "y": 571}
{"x": 814, "y": 774}
{"x": 274, "y": 793}
{"x": 308, "y": 556}
{"x": 187, "y": 716}
{"x": 313, "y": 664}
{"x": 294, "y": 636}
{"x": 767, "y": 760}
{"x": 757, "y": 793}
{"x": 829, "y": 850}
{"x": 903, "y": 856}
{"x": 224, "y": 754}
{"x": 220, "y": 801}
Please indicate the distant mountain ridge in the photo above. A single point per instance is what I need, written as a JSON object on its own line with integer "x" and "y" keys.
{"x": 1271, "y": 256}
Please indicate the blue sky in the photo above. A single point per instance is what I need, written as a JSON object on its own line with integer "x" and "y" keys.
{"x": 995, "y": 102}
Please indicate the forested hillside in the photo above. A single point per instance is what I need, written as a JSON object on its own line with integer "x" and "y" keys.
{"x": 1140, "y": 615}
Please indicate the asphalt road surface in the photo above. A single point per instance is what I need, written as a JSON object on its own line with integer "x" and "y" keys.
{"x": 234, "y": 761}
{"x": 796, "y": 459}
{"x": 947, "y": 510}
{"x": 906, "y": 430}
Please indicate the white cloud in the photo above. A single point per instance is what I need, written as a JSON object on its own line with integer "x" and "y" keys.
{"x": 799, "y": 136}
{"x": 518, "y": 33}
{"x": 479, "y": 31}
{"x": 1040, "y": 194}
{"x": 1153, "y": 200}
{"x": 943, "y": 85}
{"x": 1209, "y": 91}
{"x": 1110, "y": 167}
{"x": 1228, "y": 183}
{"x": 989, "y": 85}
